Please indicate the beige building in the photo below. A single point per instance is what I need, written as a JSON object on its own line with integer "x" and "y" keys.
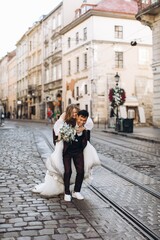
{"x": 39, "y": 70}
{"x": 97, "y": 46}
{"x": 29, "y": 72}
{"x": 12, "y": 84}
{"x": 52, "y": 60}
{"x": 149, "y": 14}
{"x": 4, "y": 83}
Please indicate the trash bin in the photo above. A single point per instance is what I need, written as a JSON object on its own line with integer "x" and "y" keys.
{"x": 128, "y": 125}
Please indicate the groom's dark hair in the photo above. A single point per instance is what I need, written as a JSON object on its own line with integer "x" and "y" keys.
{"x": 83, "y": 113}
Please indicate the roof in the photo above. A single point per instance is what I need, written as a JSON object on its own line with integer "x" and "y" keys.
{"x": 119, "y": 6}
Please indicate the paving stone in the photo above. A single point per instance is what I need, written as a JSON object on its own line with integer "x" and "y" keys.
{"x": 30, "y": 216}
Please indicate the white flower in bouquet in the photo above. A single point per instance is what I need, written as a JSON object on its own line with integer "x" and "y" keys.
{"x": 67, "y": 133}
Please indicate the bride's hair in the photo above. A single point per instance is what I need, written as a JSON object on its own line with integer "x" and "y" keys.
{"x": 69, "y": 112}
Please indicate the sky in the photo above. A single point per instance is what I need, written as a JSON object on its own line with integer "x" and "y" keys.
{"x": 16, "y": 16}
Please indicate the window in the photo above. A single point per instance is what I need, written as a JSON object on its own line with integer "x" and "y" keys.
{"x": 77, "y": 37}
{"x": 47, "y": 75}
{"x": 34, "y": 60}
{"x": 77, "y": 64}
{"x": 59, "y": 20}
{"x": 77, "y": 13}
{"x": 86, "y": 108}
{"x": 46, "y": 51}
{"x": 119, "y": 59}
{"x": 77, "y": 91}
{"x": 54, "y": 24}
{"x": 85, "y": 89}
{"x": 69, "y": 42}
{"x": 30, "y": 45}
{"x": 69, "y": 101}
{"x": 85, "y": 61}
{"x": 118, "y": 32}
{"x": 56, "y": 45}
{"x": 69, "y": 67}
{"x": 85, "y": 34}
{"x": 85, "y": 8}
{"x": 143, "y": 56}
{"x": 59, "y": 71}
{"x": 145, "y": 1}
{"x": 54, "y": 73}
{"x": 39, "y": 57}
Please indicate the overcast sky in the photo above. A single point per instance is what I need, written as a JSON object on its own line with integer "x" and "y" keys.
{"x": 16, "y": 16}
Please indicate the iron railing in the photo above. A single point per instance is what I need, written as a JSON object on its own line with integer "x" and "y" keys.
{"x": 143, "y": 4}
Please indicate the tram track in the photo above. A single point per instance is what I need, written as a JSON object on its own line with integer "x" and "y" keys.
{"x": 113, "y": 170}
{"x": 111, "y": 139}
{"x": 146, "y": 231}
{"x": 141, "y": 156}
{"x": 121, "y": 210}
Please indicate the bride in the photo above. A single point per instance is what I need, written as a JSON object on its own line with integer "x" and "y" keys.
{"x": 53, "y": 183}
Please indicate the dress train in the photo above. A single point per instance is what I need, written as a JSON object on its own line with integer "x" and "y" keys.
{"x": 53, "y": 183}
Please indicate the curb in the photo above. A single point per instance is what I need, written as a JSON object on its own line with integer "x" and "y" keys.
{"x": 149, "y": 139}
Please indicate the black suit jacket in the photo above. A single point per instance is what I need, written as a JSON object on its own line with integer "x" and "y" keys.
{"x": 84, "y": 142}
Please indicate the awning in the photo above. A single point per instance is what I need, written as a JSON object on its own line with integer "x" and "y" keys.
{"x": 131, "y": 102}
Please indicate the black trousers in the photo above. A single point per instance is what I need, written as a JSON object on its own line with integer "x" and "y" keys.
{"x": 78, "y": 160}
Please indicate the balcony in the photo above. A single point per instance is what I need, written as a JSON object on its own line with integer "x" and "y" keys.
{"x": 32, "y": 87}
{"x": 148, "y": 7}
{"x": 148, "y": 11}
{"x": 53, "y": 85}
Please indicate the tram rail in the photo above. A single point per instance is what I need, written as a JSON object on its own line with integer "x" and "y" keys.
{"x": 122, "y": 211}
{"x": 112, "y": 139}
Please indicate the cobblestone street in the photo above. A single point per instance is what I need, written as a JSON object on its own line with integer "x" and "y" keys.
{"x": 27, "y": 216}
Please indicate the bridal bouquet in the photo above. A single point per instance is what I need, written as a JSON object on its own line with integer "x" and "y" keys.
{"x": 67, "y": 133}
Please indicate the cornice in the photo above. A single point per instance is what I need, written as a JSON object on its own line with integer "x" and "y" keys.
{"x": 94, "y": 12}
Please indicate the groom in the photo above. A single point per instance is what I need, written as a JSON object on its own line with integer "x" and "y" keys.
{"x": 74, "y": 151}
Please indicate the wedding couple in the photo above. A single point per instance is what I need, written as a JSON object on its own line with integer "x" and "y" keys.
{"x": 62, "y": 172}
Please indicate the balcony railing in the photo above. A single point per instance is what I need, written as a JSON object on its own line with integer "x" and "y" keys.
{"x": 144, "y": 4}
{"x": 32, "y": 87}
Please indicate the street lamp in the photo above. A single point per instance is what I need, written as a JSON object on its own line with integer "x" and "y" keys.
{"x": 117, "y": 77}
{"x": 117, "y": 97}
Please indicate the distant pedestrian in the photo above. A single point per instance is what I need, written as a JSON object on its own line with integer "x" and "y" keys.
{"x": 112, "y": 118}
{"x": 8, "y": 115}
{"x": 49, "y": 115}
{"x": 2, "y": 118}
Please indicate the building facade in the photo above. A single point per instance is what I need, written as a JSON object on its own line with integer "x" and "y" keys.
{"x": 97, "y": 45}
{"x": 12, "y": 85}
{"x": 72, "y": 54}
{"x": 39, "y": 81}
{"x": 149, "y": 14}
{"x": 4, "y": 83}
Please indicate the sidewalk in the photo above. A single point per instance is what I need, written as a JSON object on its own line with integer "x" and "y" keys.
{"x": 142, "y": 133}
{"x": 151, "y": 133}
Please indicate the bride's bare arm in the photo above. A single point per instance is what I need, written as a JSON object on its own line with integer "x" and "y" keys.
{"x": 89, "y": 124}
{"x": 59, "y": 123}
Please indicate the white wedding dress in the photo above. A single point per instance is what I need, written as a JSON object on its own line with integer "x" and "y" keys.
{"x": 53, "y": 183}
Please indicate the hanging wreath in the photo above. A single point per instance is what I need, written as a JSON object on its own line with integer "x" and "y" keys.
{"x": 117, "y": 96}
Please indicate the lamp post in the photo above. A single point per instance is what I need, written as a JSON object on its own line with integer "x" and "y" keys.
{"x": 19, "y": 110}
{"x": 117, "y": 97}
{"x": 117, "y": 77}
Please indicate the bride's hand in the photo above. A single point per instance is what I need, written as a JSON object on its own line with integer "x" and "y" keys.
{"x": 80, "y": 129}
